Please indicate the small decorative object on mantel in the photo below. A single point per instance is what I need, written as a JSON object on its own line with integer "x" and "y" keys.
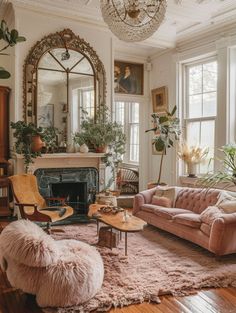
{"x": 83, "y": 148}
{"x": 227, "y": 174}
{"x": 166, "y": 129}
{"x": 192, "y": 155}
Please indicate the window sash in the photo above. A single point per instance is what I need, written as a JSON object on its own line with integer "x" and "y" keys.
{"x": 127, "y": 115}
{"x": 186, "y": 105}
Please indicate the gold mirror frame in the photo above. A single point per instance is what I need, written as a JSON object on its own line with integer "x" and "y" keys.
{"x": 68, "y": 40}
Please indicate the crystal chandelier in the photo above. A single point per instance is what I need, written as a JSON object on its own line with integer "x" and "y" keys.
{"x": 133, "y": 20}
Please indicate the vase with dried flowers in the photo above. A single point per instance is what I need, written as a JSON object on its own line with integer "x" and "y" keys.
{"x": 192, "y": 155}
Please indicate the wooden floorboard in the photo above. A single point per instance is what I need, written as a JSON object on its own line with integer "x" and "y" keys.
{"x": 220, "y": 300}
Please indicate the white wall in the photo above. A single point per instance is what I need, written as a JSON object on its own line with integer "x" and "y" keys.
{"x": 163, "y": 74}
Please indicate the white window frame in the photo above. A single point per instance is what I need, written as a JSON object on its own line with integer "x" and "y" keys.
{"x": 127, "y": 129}
{"x": 185, "y": 107}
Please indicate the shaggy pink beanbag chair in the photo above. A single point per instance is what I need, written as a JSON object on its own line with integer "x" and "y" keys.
{"x": 60, "y": 273}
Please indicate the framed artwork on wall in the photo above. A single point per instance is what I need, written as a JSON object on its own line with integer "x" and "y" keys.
{"x": 160, "y": 99}
{"x": 128, "y": 78}
{"x": 45, "y": 115}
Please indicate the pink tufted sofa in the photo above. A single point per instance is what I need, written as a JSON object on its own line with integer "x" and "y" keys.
{"x": 184, "y": 218}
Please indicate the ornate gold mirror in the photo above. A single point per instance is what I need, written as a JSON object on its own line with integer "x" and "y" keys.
{"x": 62, "y": 76}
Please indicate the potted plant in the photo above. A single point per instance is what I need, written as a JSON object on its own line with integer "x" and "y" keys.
{"x": 227, "y": 173}
{"x": 105, "y": 136}
{"x": 192, "y": 155}
{"x": 166, "y": 129}
{"x": 50, "y": 137}
{"x": 28, "y": 141}
{"x": 11, "y": 38}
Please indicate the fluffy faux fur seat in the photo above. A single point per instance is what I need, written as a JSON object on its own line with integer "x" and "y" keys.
{"x": 60, "y": 273}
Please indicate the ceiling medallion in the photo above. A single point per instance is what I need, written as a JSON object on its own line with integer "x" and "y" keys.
{"x": 133, "y": 20}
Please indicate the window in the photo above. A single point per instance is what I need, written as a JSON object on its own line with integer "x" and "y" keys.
{"x": 82, "y": 100}
{"x": 127, "y": 114}
{"x": 201, "y": 107}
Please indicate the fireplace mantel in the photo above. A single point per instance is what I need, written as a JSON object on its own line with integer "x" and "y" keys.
{"x": 64, "y": 160}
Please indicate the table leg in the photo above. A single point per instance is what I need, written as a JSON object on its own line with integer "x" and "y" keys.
{"x": 111, "y": 239}
{"x": 126, "y": 247}
{"x": 98, "y": 227}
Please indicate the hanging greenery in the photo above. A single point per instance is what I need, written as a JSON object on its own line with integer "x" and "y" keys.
{"x": 11, "y": 37}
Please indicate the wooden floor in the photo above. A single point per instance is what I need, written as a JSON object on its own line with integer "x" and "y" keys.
{"x": 221, "y": 300}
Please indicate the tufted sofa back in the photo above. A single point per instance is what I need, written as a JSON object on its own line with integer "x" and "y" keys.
{"x": 196, "y": 200}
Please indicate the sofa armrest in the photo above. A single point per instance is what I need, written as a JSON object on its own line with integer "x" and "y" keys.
{"x": 148, "y": 194}
{"x": 223, "y": 235}
{"x": 142, "y": 198}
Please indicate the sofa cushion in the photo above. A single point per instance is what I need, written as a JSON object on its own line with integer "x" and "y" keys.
{"x": 210, "y": 214}
{"x": 162, "y": 201}
{"x": 149, "y": 208}
{"x": 196, "y": 199}
{"x": 188, "y": 219}
{"x": 206, "y": 229}
{"x": 168, "y": 213}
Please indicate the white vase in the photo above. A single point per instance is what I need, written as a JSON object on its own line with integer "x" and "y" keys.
{"x": 77, "y": 147}
{"x": 191, "y": 169}
{"x": 70, "y": 148}
{"x": 84, "y": 148}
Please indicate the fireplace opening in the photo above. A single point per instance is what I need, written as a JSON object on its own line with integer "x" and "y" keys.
{"x": 78, "y": 185}
{"x": 75, "y": 194}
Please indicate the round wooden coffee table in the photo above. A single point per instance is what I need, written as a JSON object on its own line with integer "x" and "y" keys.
{"x": 134, "y": 224}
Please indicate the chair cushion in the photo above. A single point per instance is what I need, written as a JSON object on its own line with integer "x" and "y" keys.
{"x": 27, "y": 243}
{"x": 206, "y": 229}
{"x": 188, "y": 219}
{"x": 162, "y": 201}
{"x": 168, "y": 213}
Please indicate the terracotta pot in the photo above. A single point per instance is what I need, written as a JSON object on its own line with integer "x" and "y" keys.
{"x": 37, "y": 143}
{"x": 153, "y": 184}
{"x": 102, "y": 149}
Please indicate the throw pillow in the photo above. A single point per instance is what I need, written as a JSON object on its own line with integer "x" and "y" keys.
{"x": 227, "y": 202}
{"x": 162, "y": 201}
{"x": 210, "y": 214}
{"x": 167, "y": 192}
{"x": 228, "y": 206}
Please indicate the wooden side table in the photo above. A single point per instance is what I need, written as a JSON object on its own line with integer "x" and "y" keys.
{"x": 5, "y": 197}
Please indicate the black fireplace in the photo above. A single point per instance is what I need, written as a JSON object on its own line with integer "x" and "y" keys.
{"x": 77, "y": 185}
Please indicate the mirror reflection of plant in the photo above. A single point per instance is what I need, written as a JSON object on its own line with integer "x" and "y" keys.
{"x": 228, "y": 172}
{"x": 23, "y": 134}
{"x": 50, "y": 137}
{"x": 166, "y": 130}
{"x": 11, "y": 38}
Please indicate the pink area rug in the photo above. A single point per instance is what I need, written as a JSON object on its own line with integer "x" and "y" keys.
{"x": 157, "y": 263}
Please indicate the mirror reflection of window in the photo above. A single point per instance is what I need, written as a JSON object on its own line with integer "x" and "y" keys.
{"x": 65, "y": 87}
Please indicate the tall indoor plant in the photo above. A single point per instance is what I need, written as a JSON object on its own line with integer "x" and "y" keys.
{"x": 166, "y": 130}
{"x": 11, "y": 38}
{"x": 24, "y": 134}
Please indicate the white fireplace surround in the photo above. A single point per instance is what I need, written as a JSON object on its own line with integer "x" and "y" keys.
{"x": 65, "y": 160}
